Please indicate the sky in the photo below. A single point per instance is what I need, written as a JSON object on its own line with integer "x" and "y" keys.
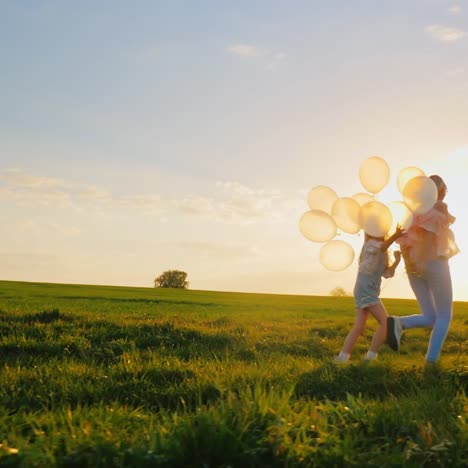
{"x": 138, "y": 137}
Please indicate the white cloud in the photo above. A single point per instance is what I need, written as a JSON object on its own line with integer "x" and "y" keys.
{"x": 455, "y": 9}
{"x": 16, "y": 177}
{"x": 239, "y": 189}
{"x": 29, "y": 190}
{"x": 94, "y": 193}
{"x": 232, "y": 202}
{"x": 240, "y": 201}
{"x": 276, "y": 59}
{"x": 445, "y": 33}
{"x": 219, "y": 251}
{"x": 273, "y": 58}
{"x": 194, "y": 205}
{"x": 152, "y": 203}
{"x": 30, "y": 197}
{"x": 229, "y": 202}
{"x": 456, "y": 72}
{"x": 244, "y": 50}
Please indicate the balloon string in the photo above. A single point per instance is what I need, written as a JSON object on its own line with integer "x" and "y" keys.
{"x": 387, "y": 280}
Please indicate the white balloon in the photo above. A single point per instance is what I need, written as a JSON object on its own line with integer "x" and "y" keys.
{"x": 375, "y": 218}
{"x": 420, "y": 194}
{"x": 374, "y": 174}
{"x": 336, "y": 255}
{"x": 362, "y": 198}
{"x": 317, "y": 226}
{"x": 406, "y": 174}
{"x": 321, "y": 198}
{"x": 345, "y": 212}
{"x": 402, "y": 215}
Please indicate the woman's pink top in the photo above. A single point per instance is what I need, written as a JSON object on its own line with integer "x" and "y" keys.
{"x": 442, "y": 244}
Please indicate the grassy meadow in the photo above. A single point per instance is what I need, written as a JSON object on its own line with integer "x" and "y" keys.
{"x": 111, "y": 376}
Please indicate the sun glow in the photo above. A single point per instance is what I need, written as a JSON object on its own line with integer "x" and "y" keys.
{"x": 454, "y": 170}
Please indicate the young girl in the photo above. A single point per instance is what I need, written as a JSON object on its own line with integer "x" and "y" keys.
{"x": 373, "y": 264}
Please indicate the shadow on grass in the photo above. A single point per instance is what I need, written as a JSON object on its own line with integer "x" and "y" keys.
{"x": 51, "y": 334}
{"x": 46, "y": 316}
{"x": 376, "y": 381}
{"x": 131, "y": 300}
{"x": 152, "y": 389}
{"x": 310, "y": 347}
{"x": 105, "y": 453}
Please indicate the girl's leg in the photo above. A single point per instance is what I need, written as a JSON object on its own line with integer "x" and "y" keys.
{"x": 425, "y": 298}
{"x": 438, "y": 274}
{"x": 356, "y": 331}
{"x": 380, "y": 314}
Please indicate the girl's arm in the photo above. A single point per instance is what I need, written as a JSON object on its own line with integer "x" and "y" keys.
{"x": 386, "y": 244}
{"x": 390, "y": 271}
{"x": 397, "y": 255}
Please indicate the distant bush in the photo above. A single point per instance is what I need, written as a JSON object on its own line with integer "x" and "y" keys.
{"x": 172, "y": 279}
{"x": 339, "y": 292}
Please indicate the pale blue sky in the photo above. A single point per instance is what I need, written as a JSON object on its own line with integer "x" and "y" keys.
{"x": 192, "y": 129}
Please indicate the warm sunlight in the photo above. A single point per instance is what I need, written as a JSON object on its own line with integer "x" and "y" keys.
{"x": 110, "y": 181}
{"x": 229, "y": 233}
{"x": 454, "y": 168}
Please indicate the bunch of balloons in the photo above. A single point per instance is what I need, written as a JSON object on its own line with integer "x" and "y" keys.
{"x": 329, "y": 214}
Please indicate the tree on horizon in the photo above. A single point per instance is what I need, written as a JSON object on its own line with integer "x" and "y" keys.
{"x": 339, "y": 292}
{"x": 172, "y": 279}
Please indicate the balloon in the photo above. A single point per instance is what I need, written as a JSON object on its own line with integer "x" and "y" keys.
{"x": 362, "y": 198}
{"x": 406, "y": 174}
{"x": 420, "y": 194}
{"x": 375, "y": 219}
{"x": 321, "y": 198}
{"x": 402, "y": 215}
{"x": 374, "y": 174}
{"x": 345, "y": 212}
{"x": 336, "y": 255}
{"x": 317, "y": 226}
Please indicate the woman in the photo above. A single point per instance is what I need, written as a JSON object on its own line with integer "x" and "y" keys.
{"x": 426, "y": 248}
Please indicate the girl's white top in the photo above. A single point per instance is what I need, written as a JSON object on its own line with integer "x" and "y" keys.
{"x": 373, "y": 261}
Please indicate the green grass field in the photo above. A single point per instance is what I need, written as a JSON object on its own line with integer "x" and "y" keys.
{"x": 114, "y": 376}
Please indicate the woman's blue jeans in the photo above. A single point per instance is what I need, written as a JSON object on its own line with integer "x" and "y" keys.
{"x": 433, "y": 291}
